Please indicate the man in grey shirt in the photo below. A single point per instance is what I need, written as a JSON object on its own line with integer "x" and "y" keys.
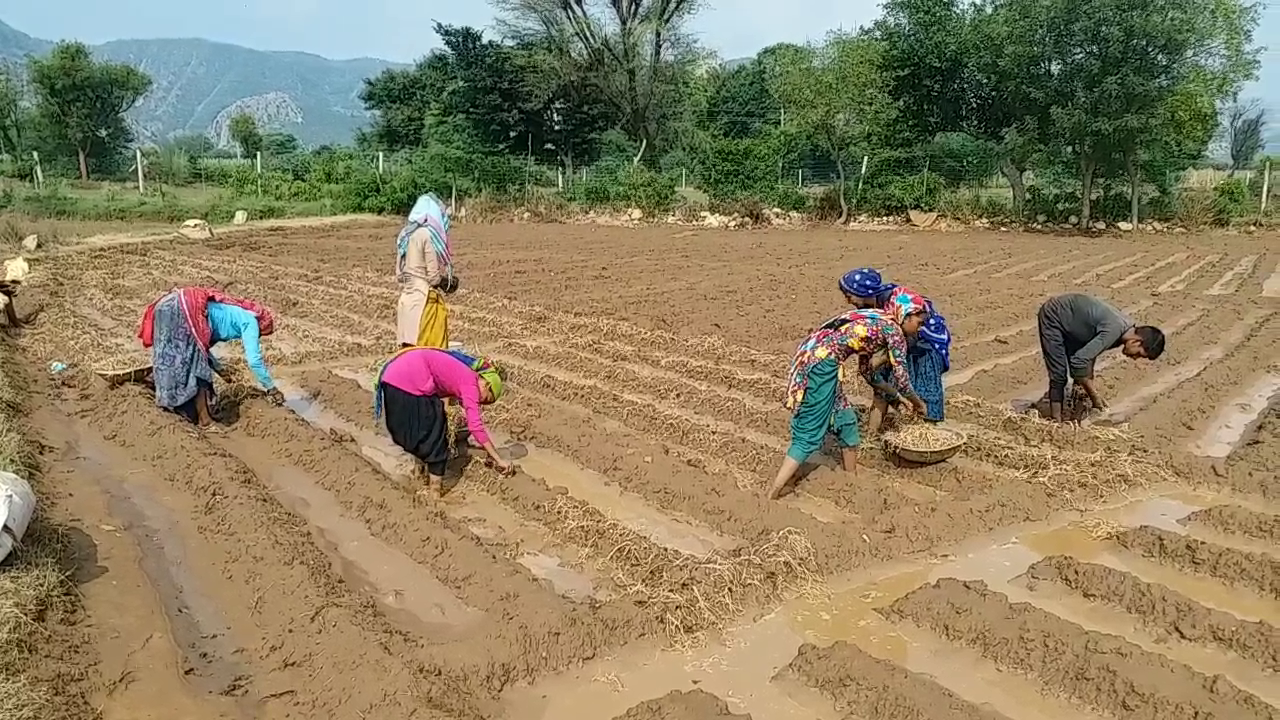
{"x": 1074, "y": 330}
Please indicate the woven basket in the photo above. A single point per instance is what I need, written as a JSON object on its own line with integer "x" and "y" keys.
{"x": 927, "y": 457}
{"x": 128, "y": 375}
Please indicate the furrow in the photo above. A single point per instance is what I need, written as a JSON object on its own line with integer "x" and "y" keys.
{"x": 1179, "y": 281}
{"x": 1235, "y": 520}
{"x": 1250, "y": 570}
{"x": 868, "y": 687}
{"x": 1162, "y": 609}
{"x": 1231, "y": 281}
{"x": 1102, "y": 672}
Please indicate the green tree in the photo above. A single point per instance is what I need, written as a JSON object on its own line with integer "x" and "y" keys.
{"x": 245, "y": 134}
{"x": 836, "y": 96}
{"x": 13, "y": 115}
{"x": 637, "y": 53}
{"x": 83, "y": 102}
{"x": 196, "y": 145}
{"x": 1118, "y": 65}
{"x": 278, "y": 144}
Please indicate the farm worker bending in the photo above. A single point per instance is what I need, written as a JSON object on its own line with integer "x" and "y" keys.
{"x": 424, "y": 270}
{"x": 1074, "y": 330}
{"x": 928, "y": 351}
{"x": 181, "y": 329}
{"x": 412, "y": 387}
{"x": 814, "y": 393}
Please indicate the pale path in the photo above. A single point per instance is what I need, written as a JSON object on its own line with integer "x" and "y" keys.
{"x": 1271, "y": 286}
{"x": 1143, "y": 273}
{"x": 1180, "y": 280}
{"x": 1096, "y": 273}
{"x": 1236, "y": 417}
{"x": 1236, "y": 275}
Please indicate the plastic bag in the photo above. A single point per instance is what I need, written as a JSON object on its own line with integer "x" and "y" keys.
{"x": 17, "y": 504}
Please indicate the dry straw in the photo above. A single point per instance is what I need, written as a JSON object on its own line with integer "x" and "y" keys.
{"x": 691, "y": 594}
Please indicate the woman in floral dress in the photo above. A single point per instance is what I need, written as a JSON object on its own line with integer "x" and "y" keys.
{"x": 814, "y": 394}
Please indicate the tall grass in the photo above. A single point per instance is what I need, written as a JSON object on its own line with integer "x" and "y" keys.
{"x": 35, "y": 586}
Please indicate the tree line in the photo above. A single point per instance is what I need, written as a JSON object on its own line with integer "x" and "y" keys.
{"x": 1081, "y": 106}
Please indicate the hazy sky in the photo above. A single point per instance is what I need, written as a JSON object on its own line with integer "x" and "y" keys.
{"x": 386, "y": 28}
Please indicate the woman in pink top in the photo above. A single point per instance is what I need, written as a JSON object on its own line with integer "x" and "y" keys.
{"x": 412, "y": 388}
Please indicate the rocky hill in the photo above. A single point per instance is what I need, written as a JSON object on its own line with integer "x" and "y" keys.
{"x": 200, "y": 84}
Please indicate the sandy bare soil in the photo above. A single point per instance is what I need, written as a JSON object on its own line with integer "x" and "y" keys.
{"x": 290, "y": 568}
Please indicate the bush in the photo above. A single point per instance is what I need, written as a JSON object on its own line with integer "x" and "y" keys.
{"x": 618, "y": 184}
{"x": 1231, "y": 200}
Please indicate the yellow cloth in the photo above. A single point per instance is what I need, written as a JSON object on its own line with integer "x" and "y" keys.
{"x": 433, "y": 326}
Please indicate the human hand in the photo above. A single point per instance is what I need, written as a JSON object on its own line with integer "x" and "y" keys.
{"x": 918, "y": 406}
{"x": 275, "y": 397}
{"x": 505, "y": 468}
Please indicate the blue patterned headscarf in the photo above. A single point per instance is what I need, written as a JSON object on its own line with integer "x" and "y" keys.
{"x": 428, "y": 212}
{"x": 934, "y": 334}
{"x": 863, "y": 283}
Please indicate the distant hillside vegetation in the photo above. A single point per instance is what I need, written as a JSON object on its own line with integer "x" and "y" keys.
{"x": 199, "y": 84}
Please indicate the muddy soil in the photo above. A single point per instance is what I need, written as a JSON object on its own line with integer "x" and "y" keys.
{"x": 1251, "y": 570}
{"x": 1165, "y": 612}
{"x": 1234, "y": 519}
{"x": 1103, "y": 672}
{"x": 683, "y": 705}
{"x": 868, "y": 687}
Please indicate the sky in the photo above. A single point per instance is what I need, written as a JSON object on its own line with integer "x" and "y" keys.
{"x": 382, "y": 28}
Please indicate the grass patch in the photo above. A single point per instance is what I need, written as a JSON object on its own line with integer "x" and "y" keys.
{"x": 36, "y": 591}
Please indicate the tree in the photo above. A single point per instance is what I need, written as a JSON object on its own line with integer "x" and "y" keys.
{"x": 278, "y": 144}
{"x": 635, "y": 52}
{"x": 836, "y": 95}
{"x": 1243, "y": 125}
{"x": 13, "y": 115}
{"x": 245, "y": 134}
{"x": 83, "y": 101}
{"x": 196, "y": 145}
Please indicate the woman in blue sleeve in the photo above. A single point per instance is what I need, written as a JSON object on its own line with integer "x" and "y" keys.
{"x": 181, "y": 329}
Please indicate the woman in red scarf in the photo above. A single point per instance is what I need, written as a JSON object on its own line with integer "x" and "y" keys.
{"x": 181, "y": 329}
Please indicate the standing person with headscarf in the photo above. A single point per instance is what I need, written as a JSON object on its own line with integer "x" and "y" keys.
{"x": 928, "y": 350}
{"x": 424, "y": 271}
{"x": 412, "y": 388}
{"x": 181, "y": 329}
{"x": 815, "y": 397}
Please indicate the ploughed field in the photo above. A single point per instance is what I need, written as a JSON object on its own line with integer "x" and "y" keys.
{"x": 290, "y": 568}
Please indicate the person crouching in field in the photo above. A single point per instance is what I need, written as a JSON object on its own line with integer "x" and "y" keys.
{"x": 424, "y": 270}
{"x": 181, "y": 329}
{"x": 412, "y": 388}
{"x": 815, "y": 397}
{"x": 1074, "y": 330}
{"x": 928, "y": 350}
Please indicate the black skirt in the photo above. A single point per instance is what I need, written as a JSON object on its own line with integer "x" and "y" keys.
{"x": 418, "y": 424}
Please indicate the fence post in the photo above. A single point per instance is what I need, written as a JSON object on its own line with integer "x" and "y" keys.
{"x": 453, "y": 198}
{"x": 560, "y": 179}
{"x": 861, "y": 175}
{"x": 684, "y": 179}
{"x": 39, "y": 170}
{"x": 380, "y": 166}
{"x": 1266, "y": 186}
{"x": 137, "y": 158}
{"x": 800, "y": 178}
{"x": 257, "y": 166}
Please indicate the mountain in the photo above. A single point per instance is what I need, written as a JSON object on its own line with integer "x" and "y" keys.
{"x": 199, "y": 85}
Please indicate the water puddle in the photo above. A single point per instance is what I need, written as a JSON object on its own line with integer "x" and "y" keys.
{"x": 1129, "y": 406}
{"x": 199, "y": 630}
{"x": 1235, "y": 418}
{"x": 405, "y": 590}
{"x": 1231, "y": 281}
{"x": 483, "y": 515}
{"x": 741, "y": 666}
{"x": 1271, "y": 286}
{"x": 556, "y": 470}
{"x": 1127, "y": 281}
